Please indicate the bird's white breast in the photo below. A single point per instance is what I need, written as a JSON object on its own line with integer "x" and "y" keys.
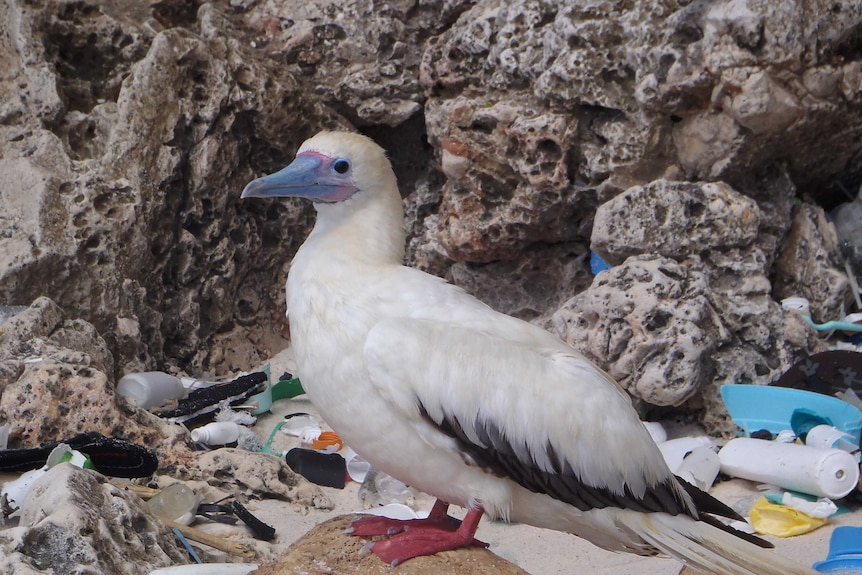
{"x": 332, "y": 308}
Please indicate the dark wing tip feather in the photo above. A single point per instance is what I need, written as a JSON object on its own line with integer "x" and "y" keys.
{"x": 708, "y": 506}
{"x": 497, "y": 455}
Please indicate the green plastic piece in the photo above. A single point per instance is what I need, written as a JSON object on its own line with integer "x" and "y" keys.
{"x": 287, "y": 389}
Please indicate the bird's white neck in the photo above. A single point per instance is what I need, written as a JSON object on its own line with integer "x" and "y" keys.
{"x": 362, "y": 229}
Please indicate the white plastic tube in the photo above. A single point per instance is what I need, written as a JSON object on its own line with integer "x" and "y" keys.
{"x": 216, "y": 433}
{"x": 150, "y": 388}
{"x": 829, "y": 473}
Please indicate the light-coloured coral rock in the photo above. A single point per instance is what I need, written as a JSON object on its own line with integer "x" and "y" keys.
{"x": 675, "y": 220}
{"x": 55, "y": 384}
{"x": 74, "y": 521}
{"x": 650, "y": 323}
{"x": 809, "y": 265}
{"x": 258, "y": 475}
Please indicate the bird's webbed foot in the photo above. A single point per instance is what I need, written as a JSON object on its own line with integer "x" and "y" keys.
{"x": 417, "y": 537}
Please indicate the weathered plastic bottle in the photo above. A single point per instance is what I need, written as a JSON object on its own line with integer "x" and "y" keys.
{"x": 216, "y": 433}
{"x": 151, "y": 388}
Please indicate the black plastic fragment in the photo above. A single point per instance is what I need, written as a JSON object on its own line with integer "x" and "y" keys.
{"x": 261, "y": 529}
{"x": 328, "y": 469}
{"x": 202, "y": 403}
{"x": 109, "y": 455}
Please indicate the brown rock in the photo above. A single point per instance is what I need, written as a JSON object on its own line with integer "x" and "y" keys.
{"x": 326, "y": 550}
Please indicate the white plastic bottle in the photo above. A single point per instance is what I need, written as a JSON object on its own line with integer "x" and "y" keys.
{"x": 831, "y": 473}
{"x": 216, "y": 433}
{"x": 151, "y": 388}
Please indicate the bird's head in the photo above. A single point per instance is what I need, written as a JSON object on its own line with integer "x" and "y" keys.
{"x": 329, "y": 168}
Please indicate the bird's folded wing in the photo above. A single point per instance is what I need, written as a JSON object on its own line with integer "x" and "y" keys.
{"x": 545, "y": 418}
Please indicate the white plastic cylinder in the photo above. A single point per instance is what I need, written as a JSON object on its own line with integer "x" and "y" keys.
{"x": 151, "y": 388}
{"x": 656, "y": 431}
{"x": 829, "y": 473}
{"x": 216, "y": 433}
{"x": 826, "y": 437}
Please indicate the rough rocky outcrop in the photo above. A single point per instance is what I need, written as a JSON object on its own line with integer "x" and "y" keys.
{"x": 125, "y": 147}
{"x": 128, "y": 130}
{"x": 56, "y": 381}
{"x": 694, "y": 144}
{"x": 689, "y": 304}
{"x": 326, "y": 549}
{"x": 73, "y": 521}
{"x": 257, "y": 475}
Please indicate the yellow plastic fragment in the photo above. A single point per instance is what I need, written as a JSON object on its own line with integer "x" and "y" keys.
{"x": 771, "y": 519}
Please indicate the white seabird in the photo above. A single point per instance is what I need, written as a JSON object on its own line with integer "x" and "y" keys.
{"x": 474, "y": 407}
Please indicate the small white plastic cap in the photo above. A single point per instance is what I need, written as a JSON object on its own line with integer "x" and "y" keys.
{"x": 797, "y": 304}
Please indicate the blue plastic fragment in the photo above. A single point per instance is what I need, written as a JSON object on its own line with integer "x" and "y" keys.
{"x": 187, "y": 545}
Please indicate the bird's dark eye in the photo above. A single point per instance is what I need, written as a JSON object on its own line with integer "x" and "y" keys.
{"x": 341, "y": 166}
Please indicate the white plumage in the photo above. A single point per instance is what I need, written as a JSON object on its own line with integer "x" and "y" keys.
{"x": 472, "y": 406}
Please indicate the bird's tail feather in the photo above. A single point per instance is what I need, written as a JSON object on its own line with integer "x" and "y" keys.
{"x": 708, "y": 549}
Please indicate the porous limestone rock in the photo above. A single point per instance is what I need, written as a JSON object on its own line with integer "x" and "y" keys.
{"x": 651, "y": 324}
{"x": 675, "y": 220}
{"x": 656, "y": 326}
{"x": 131, "y": 132}
{"x": 326, "y": 549}
{"x": 55, "y": 384}
{"x": 258, "y": 475}
{"x": 809, "y": 265}
{"x": 74, "y": 521}
{"x": 690, "y": 305}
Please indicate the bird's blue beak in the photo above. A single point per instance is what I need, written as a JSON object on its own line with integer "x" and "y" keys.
{"x": 310, "y": 176}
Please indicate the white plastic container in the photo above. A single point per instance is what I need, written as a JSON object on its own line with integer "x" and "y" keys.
{"x": 829, "y": 473}
{"x": 177, "y": 502}
{"x": 656, "y": 431}
{"x": 216, "y": 433}
{"x": 151, "y": 388}
{"x": 828, "y": 437}
{"x": 692, "y": 458}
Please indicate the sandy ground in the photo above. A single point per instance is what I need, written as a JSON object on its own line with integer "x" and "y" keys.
{"x": 538, "y": 551}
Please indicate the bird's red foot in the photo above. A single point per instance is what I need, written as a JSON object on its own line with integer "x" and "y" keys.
{"x": 416, "y": 537}
{"x": 375, "y": 525}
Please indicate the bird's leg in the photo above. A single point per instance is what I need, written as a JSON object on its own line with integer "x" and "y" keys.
{"x": 430, "y": 537}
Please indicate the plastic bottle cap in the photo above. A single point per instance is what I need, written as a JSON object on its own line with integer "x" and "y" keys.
{"x": 327, "y": 440}
{"x": 797, "y": 304}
